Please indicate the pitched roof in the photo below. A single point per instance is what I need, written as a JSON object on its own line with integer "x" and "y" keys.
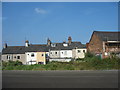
{"x": 37, "y": 48}
{"x": 23, "y": 49}
{"x": 73, "y": 45}
{"x": 107, "y": 36}
{"x": 40, "y": 48}
{"x": 14, "y": 50}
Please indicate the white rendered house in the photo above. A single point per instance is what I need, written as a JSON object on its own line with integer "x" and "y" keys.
{"x": 31, "y": 58}
{"x": 79, "y": 52}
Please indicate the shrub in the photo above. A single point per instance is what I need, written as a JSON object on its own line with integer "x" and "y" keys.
{"x": 91, "y": 63}
{"x": 95, "y": 61}
{"x": 14, "y": 63}
{"x": 89, "y": 55}
{"x": 80, "y": 59}
{"x": 4, "y": 64}
{"x": 53, "y": 67}
{"x": 18, "y": 63}
{"x": 69, "y": 67}
{"x": 10, "y": 65}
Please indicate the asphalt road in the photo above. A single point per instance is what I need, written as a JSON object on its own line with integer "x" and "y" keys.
{"x": 60, "y": 79}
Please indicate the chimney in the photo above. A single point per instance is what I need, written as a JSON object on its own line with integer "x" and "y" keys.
{"x": 48, "y": 42}
{"x": 65, "y": 44}
{"x": 26, "y": 43}
{"x": 5, "y": 45}
{"x": 87, "y": 45}
{"x": 69, "y": 40}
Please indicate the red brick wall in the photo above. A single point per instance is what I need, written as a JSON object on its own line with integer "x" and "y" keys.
{"x": 95, "y": 45}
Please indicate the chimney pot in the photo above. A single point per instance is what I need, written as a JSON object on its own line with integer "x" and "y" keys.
{"x": 5, "y": 46}
{"x": 26, "y": 43}
{"x": 69, "y": 40}
{"x": 48, "y": 42}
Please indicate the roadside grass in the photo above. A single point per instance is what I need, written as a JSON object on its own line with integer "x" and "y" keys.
{"x": 90, "y": 62}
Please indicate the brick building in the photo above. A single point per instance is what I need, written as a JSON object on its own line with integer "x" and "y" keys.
{"x": 104, "y": 43}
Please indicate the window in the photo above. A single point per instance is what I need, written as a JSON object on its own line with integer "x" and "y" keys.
{"x": 55, "y": 52}
{"x": 42, "y": 54}
{"x": 62, "y": 52}
{"x": 78, "y": 51}
{"x": 14, "y": 56}
{"x": 84, "y": 51}
{"x": 7, "y": 56}
{"x": 40, "y": 62}
{"x": 53, "y": 45}
{"x": 46, "y": 55}
{"x": 18, "y": 57}
{"x": 65, "y": 44}
{"x": 65, "y": 53}
{"x": 32, "y": 55}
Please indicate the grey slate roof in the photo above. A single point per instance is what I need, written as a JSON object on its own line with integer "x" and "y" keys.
{"x": 14, "y": 50}
{"x": 40, "y": 48}
{"x": 36, "y": 48}
{"x": 73, "y": 45}
{"x": 108, "y": 36}
{"x": 23, "y": 49}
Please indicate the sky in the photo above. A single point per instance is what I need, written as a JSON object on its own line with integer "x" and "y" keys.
{"x": 37, "y": 21}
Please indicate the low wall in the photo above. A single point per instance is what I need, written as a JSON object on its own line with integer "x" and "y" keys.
{"x": 60, "y": 60}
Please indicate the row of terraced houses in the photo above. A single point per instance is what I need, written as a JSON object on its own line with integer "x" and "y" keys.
{"x": 101, "y": 43}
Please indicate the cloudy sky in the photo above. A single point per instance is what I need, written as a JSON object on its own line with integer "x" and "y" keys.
{"x": 38, "y": 21}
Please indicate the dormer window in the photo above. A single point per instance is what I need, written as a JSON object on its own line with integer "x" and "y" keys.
{"x": 53, "y": 45}
{"x": 65, "y": 44}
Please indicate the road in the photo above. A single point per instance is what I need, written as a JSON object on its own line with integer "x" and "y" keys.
{"x": 60, "y": 79}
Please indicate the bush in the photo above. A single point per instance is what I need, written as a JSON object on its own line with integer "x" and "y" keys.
{"x": 4, "y": 64}
{"x": 10, "y": 65}
{"x": 80, "y": 59}
{"x": 89, "y": 55}
{"x": 53, "y": 67}
{"x": 91, "y": 62}
{"x": 95, "y": 61}
{"x": 14, "y": 63}
{"x": 69, "y": 67}
{"x": 106, "y": 63}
